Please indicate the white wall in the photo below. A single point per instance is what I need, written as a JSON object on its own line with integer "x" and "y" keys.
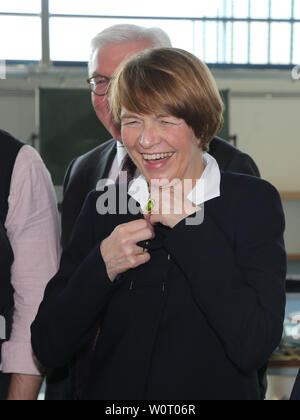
{"x": 17, "y": 115}
{"x": 268, "y": 131}
{"x": 265, "y": 113}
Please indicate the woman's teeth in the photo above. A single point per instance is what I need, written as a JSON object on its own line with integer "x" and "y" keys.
{"x": 158, "y": 156}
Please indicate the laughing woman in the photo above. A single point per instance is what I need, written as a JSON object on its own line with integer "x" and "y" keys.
{"x": 185, "y": 300}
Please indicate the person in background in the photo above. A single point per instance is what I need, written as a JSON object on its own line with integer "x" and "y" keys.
{"x": 184, "y": 299}
{"x": 30, "y": 251}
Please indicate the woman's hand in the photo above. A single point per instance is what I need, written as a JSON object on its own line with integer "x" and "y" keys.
{"x": 120, "y": 252}
{"x": 170, "y": 205}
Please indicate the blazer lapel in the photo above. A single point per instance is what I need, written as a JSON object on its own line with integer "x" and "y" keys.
{"x": 106, "y": 160}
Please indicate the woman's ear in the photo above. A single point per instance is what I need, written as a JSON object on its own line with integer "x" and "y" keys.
{"x": 199, "y": 142}
{"x": 203, "y": 145}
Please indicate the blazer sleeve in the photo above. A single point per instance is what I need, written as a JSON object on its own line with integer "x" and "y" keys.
{"x": 74, "y": 298}
{"x": 239, "y": 288}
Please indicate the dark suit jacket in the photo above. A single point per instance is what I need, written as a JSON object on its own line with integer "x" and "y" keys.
{"x": 85, "y": 171}
{"x": 195, "y": 326}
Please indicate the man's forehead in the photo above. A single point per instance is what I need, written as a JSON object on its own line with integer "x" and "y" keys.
{"x": 107, "y": 59}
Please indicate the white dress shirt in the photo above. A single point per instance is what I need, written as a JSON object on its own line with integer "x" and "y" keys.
{"x": 33, "y": 232}
{"x": 117, "y": 163}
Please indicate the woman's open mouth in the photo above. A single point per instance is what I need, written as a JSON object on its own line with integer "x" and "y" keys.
{"x": 157, "y": 161}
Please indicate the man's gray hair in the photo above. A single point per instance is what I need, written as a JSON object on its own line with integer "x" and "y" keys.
{"x": 126, "y": 33}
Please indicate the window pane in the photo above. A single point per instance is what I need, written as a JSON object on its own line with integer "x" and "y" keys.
{"x": 228, "y": 8}
{"x": 20, "y": 6}
{"x": 211, "y": 50}
{"x": 240, "y": 45}
{"x": 260, "y": 9}
{"x": 259, "y": 43}
{"x": 281, "y": 9}
{"x": 297, "y": 9}
{"x": 181, "y": 33}
{"x": 280, "y": 43}
{"x": 199, "y": 46}
{"x": 241, "y": 8}
{"x": 213, "y": 8}
{"x": 296, "y": 58}
{"x": 70, "y": 37}
{"x": 22, "y": 37}
{"x": 213, "y": 42}
{"x": 221, "y": 50}
{"x": 228, "y": 34}
{"x": 224, "y": 42}
{"x": 155, "y": 8}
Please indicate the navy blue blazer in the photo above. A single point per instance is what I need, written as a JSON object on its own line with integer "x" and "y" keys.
{"x": 194, "y": 323}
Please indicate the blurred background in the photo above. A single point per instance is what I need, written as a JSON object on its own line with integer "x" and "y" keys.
{"x": 253, "y": 50}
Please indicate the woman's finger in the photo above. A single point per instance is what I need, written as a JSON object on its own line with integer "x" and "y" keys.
{"x": 142, "y": 235}
{"x": 141, "y": 259}
{"x": 156, "y": 218}
{"x": 132, "y": 226}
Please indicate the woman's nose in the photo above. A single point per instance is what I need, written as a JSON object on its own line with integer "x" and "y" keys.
{"x": 149, "y": 138}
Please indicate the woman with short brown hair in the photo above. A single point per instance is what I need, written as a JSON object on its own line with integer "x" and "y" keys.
{"x": 172, "y": 81}
{"x": 184, "y": 300}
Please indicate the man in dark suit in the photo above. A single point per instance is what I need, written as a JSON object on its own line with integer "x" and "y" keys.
{"x": 109, "y": 49}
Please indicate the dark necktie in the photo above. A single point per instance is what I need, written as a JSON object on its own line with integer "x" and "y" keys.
{"x": 129, "y": 167}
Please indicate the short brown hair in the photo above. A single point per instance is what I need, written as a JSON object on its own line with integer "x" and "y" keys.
{"x": 173, "y": 81}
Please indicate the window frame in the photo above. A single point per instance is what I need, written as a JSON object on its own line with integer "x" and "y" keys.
{"x": 45, "y": 16}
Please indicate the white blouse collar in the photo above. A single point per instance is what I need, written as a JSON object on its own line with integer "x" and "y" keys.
{"x": 207, "y": 187}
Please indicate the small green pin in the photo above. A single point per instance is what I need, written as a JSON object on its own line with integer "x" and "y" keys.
{"x": 150, "y": 206}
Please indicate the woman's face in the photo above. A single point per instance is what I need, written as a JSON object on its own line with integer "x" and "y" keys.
{"x": 162, "y": 146}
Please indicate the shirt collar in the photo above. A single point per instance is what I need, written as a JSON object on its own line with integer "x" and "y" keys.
{"x": 121, "y": 153}
{"x": 207, "y": 187}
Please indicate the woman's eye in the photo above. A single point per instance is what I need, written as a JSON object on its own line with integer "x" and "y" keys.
{"x": 128, "y": 123}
